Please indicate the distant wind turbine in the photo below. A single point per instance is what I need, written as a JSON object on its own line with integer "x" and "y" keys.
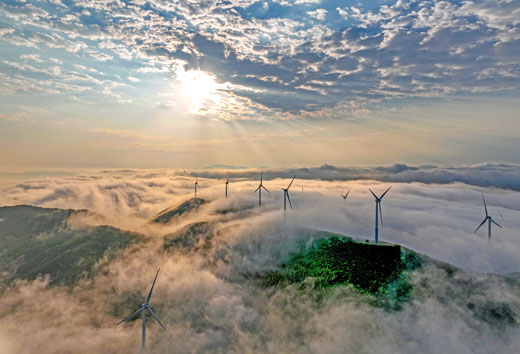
{"x": 145, "y": 307}
{"x": 227, "y": 182}
{"x": 259, "y": 189}
{"x": 286, "y": 196}
{"x": 196, "y": 184}
{"x": 346, "y": 195}
{"x": 378, "y": 210}
{"x": 488, "y": 218}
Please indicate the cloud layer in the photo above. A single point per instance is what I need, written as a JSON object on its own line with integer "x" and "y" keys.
{"x": 209, "y": 302}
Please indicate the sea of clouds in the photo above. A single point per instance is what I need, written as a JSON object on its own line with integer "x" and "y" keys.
{"x": 209, "y": 299}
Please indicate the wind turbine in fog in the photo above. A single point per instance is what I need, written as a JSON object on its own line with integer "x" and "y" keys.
{"x": 196, "y": 184}
{"x": 346, "y": 195}
{"x": 488, "y": 218}
{"x": 286, "y": 196}
{"x": 259, "y": 189}
{"x": 227, "y": 182}
{"x": 378, "y": 210}
{"x": 145, "y": 307}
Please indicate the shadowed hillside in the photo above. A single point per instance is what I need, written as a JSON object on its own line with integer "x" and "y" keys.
{"x": 37, "y": 241}
{"x": 191, "y": 237}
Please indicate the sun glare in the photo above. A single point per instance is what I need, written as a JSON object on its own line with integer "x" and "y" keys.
{"x": 198, "y": 89}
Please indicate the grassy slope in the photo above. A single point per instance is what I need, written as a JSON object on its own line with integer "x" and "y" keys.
{"x": 335, "y": 260}
{"x": 37, "y": 241}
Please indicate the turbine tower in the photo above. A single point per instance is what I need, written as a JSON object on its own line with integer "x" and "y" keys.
{"x": 346, "y": 195}
{"x": 286, "y": 197}
{"x": 378, "y": 210}
{"x": 196, "y": 184}
{"x": 488, "y": 218}
{"x": 259, "y": 189}
{"x": 227, "y": 182}
{"x": 145, "y": 307}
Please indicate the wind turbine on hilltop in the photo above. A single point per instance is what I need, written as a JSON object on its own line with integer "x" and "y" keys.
{"x": 196, "y": 184}
{"x": 286, "y": 196}
{"x": 145, "y": 307}
{"x": 346, "y": 195}
{"x": 227, "y": 182}
{"x": 259, "y": 189}
{"x": 488, "y": 218}
{"x": 378, "y": 210}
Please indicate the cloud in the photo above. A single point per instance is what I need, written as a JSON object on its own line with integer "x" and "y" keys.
{"x": 505, "y": 176}
{"x": 397, "y": 51}
{"x": 430, "y": 207}
{"x": 208, "y": 301}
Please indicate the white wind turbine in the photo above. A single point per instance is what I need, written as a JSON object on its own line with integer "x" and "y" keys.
{"x": 286, "y": 196}
{"x": 346, "y": 195}
{"x": 227, "y": 182}
{"x": 259, "y": 189}
{"x": 488, "y": 218}
{"x": 145, "y": 307}
{"x": 378, "y": 210}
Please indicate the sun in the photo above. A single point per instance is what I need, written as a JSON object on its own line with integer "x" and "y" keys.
{"x": 198, "y": 89}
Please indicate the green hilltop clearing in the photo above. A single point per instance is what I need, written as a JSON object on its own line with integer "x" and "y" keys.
{"x": 38, "y": 241}
{"x": 332, "y": 260}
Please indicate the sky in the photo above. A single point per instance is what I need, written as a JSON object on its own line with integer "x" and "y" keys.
{"x": 192, "y": 84}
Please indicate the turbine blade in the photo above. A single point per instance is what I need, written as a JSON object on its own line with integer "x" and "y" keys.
{"x": 131, "y": 316}
{"x": 291, "y": 182}
{"x": 155, "y": 317}
{"x": 151, "y": 289}
{"x": 500, "y": 214}
{"x": 256, "y": 190}
{"x": 385, "y": 192}
{"x": 381, "y": 213}
{"x": 482, "y": 223}
{"x": 266, "y": 189}
{"x": 346, "y": 195}
{"x": 375, "y": 196}
{"x": 485, "y": 206}
{"x": 494, "y": 222}
{"x": 289, "y": 199}
{"x": 261, "y": 176}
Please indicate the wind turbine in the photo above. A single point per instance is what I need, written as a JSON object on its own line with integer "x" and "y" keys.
{"x": 286, "y": 196}
{"x": 196, "y": 184}
{"x": 227, "y": 182}
{"x": 145, "y": 307}
{"x": 346, "y": 195}
{"x": 488, "y": 218}
{"x": 378, "y": 210}
{"x": 259, "y": 189}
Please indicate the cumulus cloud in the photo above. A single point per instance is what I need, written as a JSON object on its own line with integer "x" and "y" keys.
{"x": 402, "y": 50}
